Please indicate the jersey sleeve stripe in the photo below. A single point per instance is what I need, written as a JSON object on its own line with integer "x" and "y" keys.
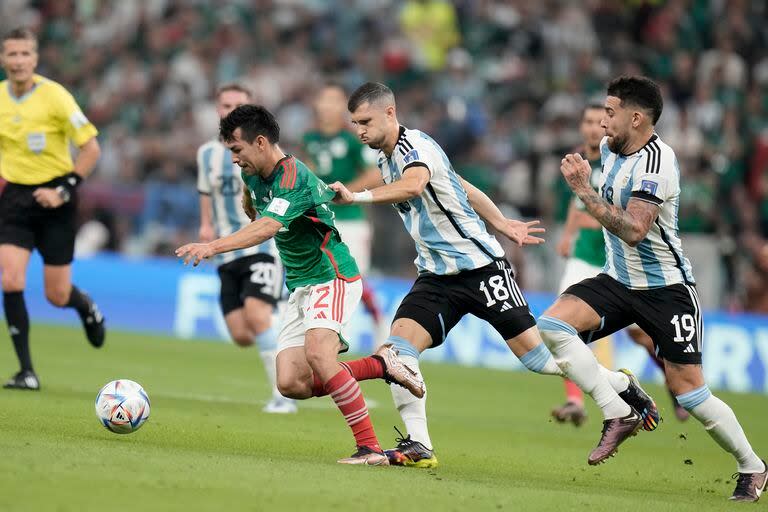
{"x": 657, "y": 157}
{"x": 645, "y": 196}
{"x": 293, "y": 173}
{"x": 413, "y": 164}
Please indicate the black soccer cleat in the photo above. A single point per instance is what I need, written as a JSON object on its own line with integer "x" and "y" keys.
{"x": 410, "y": 452}
{"x": 25, "y": 379}
{"x": 640, "y": 401}
{"x": 93, "y": 323}
{"x": 749, "y": 486}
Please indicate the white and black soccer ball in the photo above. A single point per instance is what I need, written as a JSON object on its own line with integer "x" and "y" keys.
{"x": 122, "y": 406}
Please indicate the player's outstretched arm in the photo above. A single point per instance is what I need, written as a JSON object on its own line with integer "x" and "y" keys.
{"x": 368, "y": 179}
{"x": 412, "y": 184}
{"x": 631, "y": 225}
{"x": 515, "y": 230}
{"x": 254, "y": 233}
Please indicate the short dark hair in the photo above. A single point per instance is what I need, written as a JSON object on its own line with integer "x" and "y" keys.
{"x": 334, "y": 85}
{"x": 638, "y": 91}
{"x": 233, "y": 87}
{"x": 253, "y": 120}
{"x": 369, "y": 92}
{"x": 592, "y": 105}
{"x": 20, "y": 33}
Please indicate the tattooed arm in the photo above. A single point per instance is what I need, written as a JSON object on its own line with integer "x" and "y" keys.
{"x": 631, "y": 225}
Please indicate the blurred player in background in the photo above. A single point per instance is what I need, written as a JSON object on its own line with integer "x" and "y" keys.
{"x": 584, "y": 246}
{"x": 38, "y": 119}
{"x": 338, "y": 155}
{"x": 251, "y": 278}
{"x": 320, "y": 274}
{"x": 647, "y": 280}
{"x": 462, "y": 268}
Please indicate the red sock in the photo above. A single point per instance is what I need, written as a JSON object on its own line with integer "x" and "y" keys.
{"x": 318, "y": 388}
{"x": 346, "y": 392}
{"x": 369, "y": 301}
{"x": 573, "y": 393}
{"x": 365, "y": 368}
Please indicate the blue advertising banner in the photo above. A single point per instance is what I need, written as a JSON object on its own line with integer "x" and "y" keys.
{"x": 163, "y": 296}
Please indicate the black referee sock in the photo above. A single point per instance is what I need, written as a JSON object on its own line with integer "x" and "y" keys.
{"x": 18, "y": 326}
{"x": 79, "y": 301}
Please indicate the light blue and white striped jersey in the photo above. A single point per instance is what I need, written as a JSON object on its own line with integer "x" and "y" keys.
{"x": 450, "y": 237}
{"x": 220, "y": 179}
{"x": 650, "y": 174}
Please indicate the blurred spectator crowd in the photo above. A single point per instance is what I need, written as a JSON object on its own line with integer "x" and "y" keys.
{"x": 500, "y": 84}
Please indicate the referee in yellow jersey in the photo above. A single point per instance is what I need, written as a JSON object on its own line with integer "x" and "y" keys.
{"x": 38, "y": 119}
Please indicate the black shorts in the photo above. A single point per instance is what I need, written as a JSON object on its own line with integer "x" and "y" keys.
{"x": 259, "y": 276}
{"x": 671, "y": 315}
{"x": 438, "y": 302}
{"x": 24, "y": 223}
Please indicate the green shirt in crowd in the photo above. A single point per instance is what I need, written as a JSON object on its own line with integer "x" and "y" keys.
{"x": 340, "y": 157}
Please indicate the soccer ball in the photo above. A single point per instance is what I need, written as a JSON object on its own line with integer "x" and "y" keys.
{"x": 122, "y": 406}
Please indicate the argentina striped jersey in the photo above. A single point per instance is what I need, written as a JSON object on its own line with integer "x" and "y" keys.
{"x": 650, "y": 174}
{"x": 220, "y": 179}
{"x": 450, "y": 237}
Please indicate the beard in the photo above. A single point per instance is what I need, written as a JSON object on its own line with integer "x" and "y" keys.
{"x": 617, "y": 143}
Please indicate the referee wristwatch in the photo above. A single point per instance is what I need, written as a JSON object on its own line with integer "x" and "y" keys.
{"x": 64, "y": 194}
{"x": 65, "y": 189}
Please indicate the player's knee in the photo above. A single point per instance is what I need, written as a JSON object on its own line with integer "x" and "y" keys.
{"x": 58, "y": 296}
{"x": 13, "y": 281}
{"x": 291, "y": 387}
{"x": 260, "y": 323}
{"x": 242, "y": 337}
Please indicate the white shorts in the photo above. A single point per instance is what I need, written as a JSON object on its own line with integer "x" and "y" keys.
{"x": 327, "y": 305}
{"x": 576, "y": 270}
{"x": 357, "y": 235}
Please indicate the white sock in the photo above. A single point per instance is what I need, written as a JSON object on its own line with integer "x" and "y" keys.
{"x": 580, "y": 366}
{"x": 619, "y": 381}
{"x": 723, "y": 426}
{"x": 539, "y": 360}
{"x": 269, "y": 357}
{"x": 412, "y": 410}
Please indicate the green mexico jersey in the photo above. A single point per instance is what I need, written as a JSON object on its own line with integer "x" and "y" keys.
{"x": 309, "y": 244}
{"x": 590, "y": 243}
{"x": 340, "y": 157}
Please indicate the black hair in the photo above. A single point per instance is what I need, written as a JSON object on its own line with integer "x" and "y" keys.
{"x": 593, "y": 105}
{"x": 20, "y": 33}
{"x": 638, "y": 91}
{"x": 253, "y": 120}
{"x": 370, "y": 92}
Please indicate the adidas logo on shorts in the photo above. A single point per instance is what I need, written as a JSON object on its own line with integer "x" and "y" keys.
{"x": 505, "y": 306}
{"x": 689, "y": 349}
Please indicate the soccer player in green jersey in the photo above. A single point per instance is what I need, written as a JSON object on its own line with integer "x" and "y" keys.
{"x": 583, "y": 244}
{"x": 322, "y": 277}
{"x": 338, "y": 155}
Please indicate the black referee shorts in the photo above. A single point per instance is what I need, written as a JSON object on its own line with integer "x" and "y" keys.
{"x": 671, "y": 315}
{"x": 24, "y": 223}
{"x": 438, "y": 302}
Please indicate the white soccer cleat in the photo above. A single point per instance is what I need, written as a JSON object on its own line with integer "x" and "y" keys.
{"x": 281, "y": 405}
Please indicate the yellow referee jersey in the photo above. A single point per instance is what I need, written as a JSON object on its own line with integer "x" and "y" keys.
{"x": 35, "y": 131}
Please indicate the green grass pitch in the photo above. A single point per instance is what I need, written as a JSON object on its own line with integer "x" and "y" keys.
{"x": 208, "y": 446}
